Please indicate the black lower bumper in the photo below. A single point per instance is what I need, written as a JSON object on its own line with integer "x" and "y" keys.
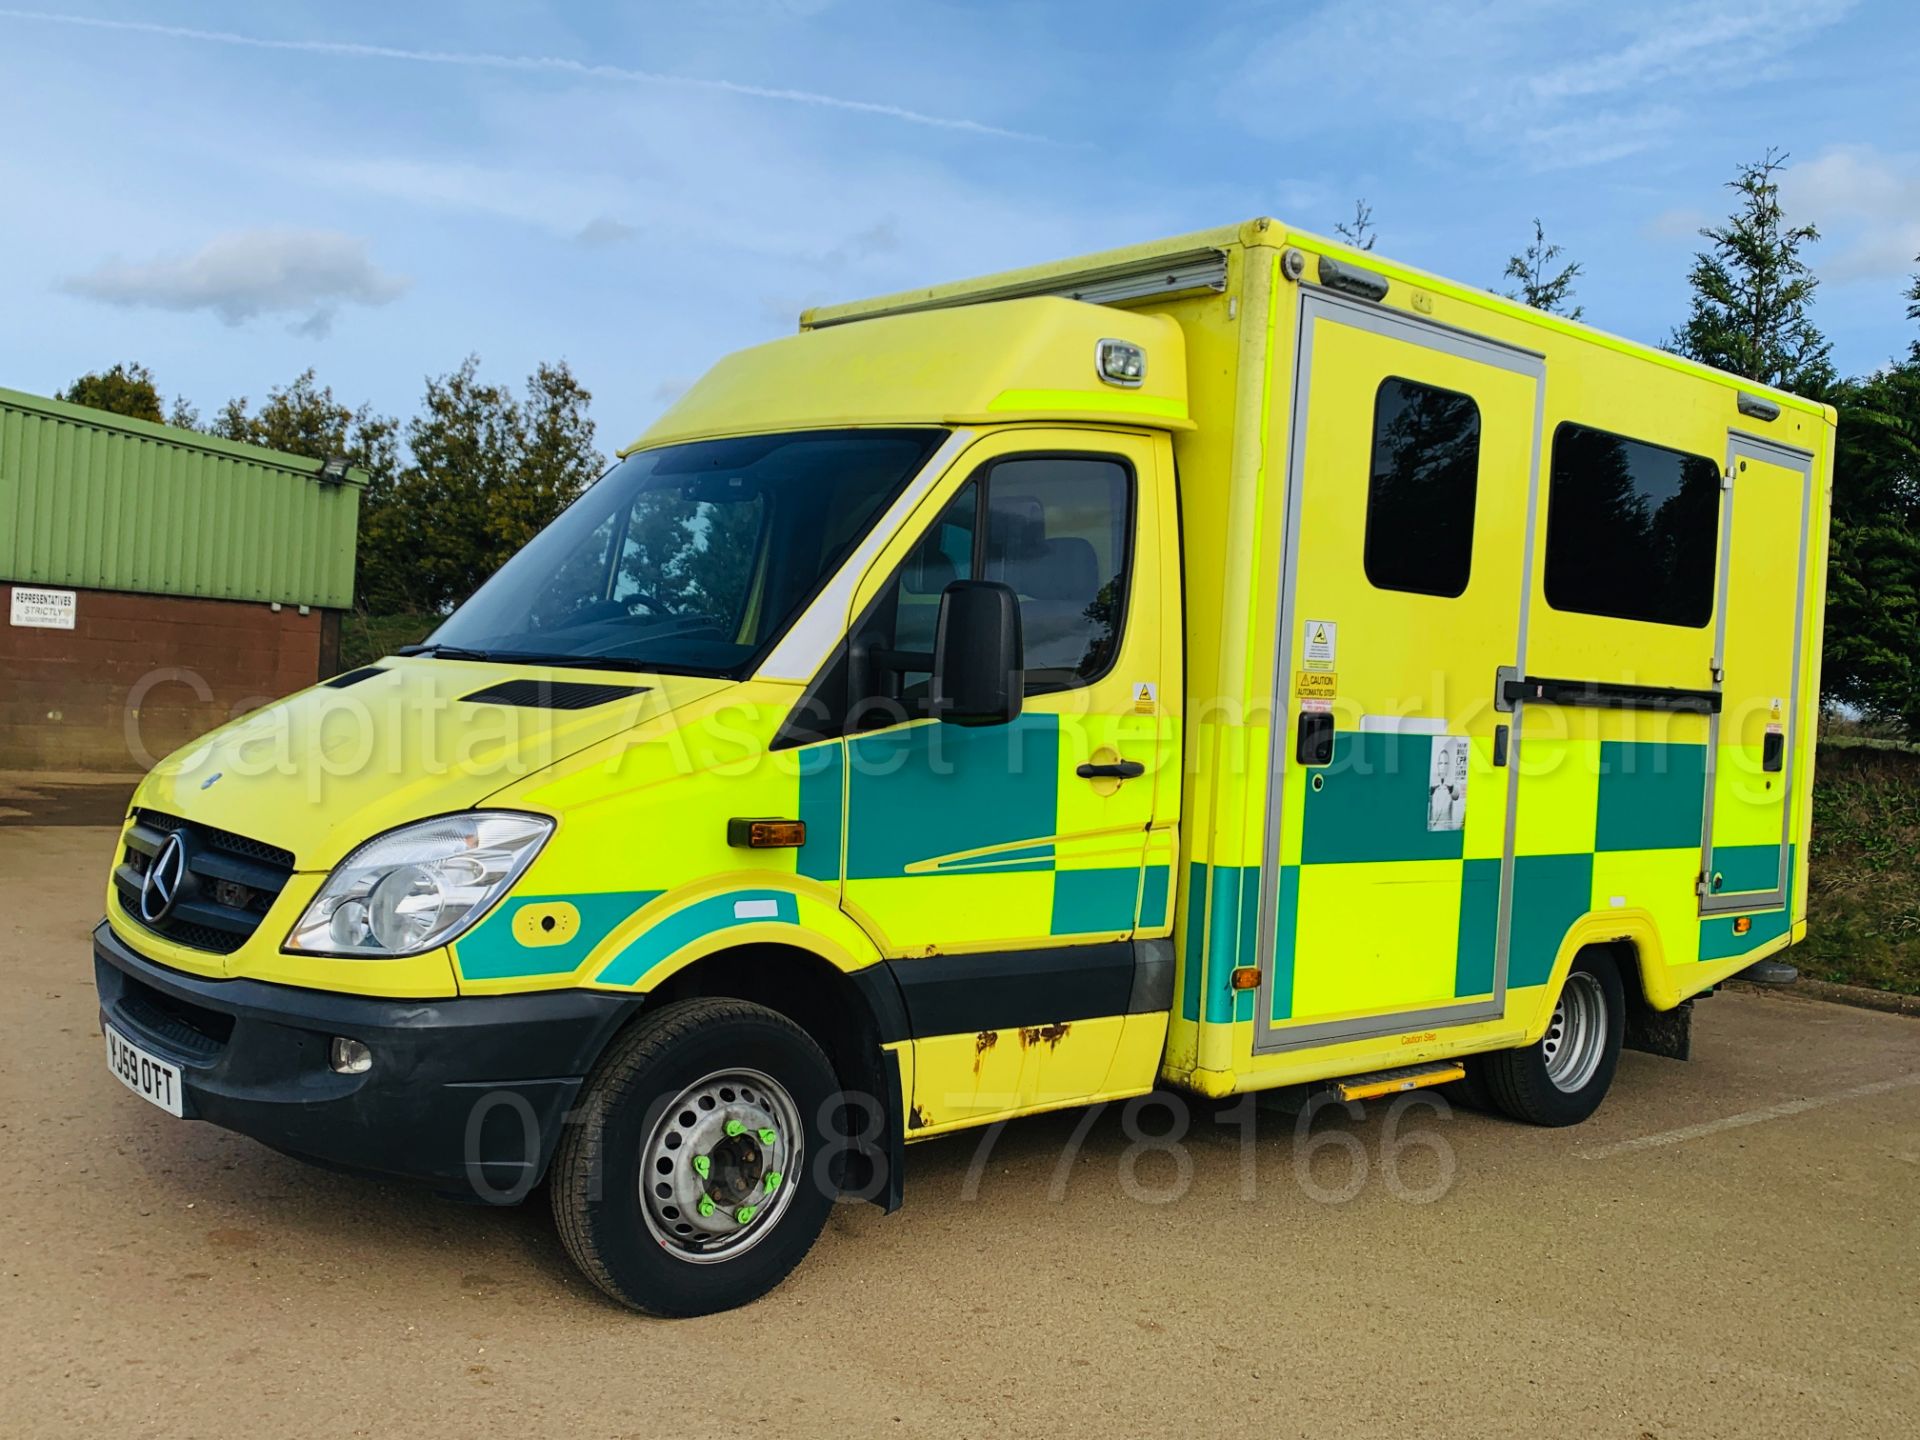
{"x": 467, "y": 1094}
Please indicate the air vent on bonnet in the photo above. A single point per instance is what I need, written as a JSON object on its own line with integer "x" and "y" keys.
{"x": 553, "y": 694}
{"x": 354, "y": 677}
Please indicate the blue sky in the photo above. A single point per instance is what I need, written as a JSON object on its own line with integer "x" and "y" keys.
{"x": 232, "y": 192}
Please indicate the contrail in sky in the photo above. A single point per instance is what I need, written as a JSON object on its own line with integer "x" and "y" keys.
{"x": 552, "y": 64}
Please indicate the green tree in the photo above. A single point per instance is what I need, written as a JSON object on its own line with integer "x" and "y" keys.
{"x": 1358, "y": 232}
{"x": 485, "y": 472}
{"x": 1752, "y": 291}
{"x": 1913, "y": 307}
{"x": 1541, "y": 285}
{"x": 304, "y": 418}
{"x": 1872, "y": 647}
{"x": 123, "y": 390}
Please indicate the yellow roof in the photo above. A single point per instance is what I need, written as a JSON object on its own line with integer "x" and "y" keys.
{"x": 1032, "y": 359}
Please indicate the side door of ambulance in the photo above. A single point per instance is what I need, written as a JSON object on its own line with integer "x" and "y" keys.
{"x": 1002, "y": 866}
{"x": 1747, "y": 860}
{"x": 1386, "y": 859}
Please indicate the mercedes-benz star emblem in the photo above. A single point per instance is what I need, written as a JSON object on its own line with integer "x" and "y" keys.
{"x": 164, "y": 877}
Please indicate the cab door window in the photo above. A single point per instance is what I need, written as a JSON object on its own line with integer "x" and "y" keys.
{"x": 1057, "y": 530}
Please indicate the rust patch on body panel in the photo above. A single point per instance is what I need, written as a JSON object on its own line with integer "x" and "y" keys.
{"x": 982, "y": 1043}
{"x": 1048, "y": 1035}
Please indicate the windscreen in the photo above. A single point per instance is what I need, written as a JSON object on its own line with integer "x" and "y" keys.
{"x": 689, "y": 558}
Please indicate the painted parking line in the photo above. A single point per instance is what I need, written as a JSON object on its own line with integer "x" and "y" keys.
{"x": 1751, "y": 1117}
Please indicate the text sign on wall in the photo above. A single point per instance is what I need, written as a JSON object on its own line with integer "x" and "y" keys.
{"x": 42, "y": 609}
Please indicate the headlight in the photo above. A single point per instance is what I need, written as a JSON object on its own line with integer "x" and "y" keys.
{"x": 419, "y": 886}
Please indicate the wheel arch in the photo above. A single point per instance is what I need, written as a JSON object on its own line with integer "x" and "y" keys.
{"x": 1632, "y": 938}
{"x": 854, "y": 1016}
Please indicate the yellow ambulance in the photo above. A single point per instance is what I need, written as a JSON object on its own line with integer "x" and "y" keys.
{"x": 1228, "y": 663}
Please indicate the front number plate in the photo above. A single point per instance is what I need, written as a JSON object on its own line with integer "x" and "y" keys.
{"x": 148, "y": 1076}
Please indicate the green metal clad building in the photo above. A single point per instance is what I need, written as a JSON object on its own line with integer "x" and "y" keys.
{"x": 158, "y": 581}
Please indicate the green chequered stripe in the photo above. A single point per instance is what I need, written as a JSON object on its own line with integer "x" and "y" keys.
{"x": 1234, "y": 913}
{"x": 1479, "y": 928}
{"x": 1371, "y": 806}
{"x": 1746, "y": 867}
{"x": 1652, "y": 795}
{"x": 1717, "y": 940}
{"x": 1550, "y": 892}
{"x": 490, "y": 951}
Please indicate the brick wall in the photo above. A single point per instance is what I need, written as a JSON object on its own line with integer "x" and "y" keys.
{"x": 140, "y": 675}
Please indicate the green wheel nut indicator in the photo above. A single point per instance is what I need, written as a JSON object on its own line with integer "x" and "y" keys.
{"x": 743, "y": 1214}
{"x": 706, "y": 1206}
{"x": 769, "y": 1137}
{"x": 773, "y": 1181}
{"x": 734, "y": 1127}
{"x": 702, "y": 1166}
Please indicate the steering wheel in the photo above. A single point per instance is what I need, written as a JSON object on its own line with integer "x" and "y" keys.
{"x": 649, "y": 601}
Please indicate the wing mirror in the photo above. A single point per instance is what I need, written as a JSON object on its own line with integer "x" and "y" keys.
{"x": 979, "y": 663}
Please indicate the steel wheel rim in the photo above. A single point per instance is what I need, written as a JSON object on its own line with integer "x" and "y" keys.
{"x": 725, "y": 1119}
{"x": 1576, "y": 1035}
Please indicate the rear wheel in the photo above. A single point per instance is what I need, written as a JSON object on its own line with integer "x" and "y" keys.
{"x": 689, "y": 1184}
{"x": 1562, "y": 1078}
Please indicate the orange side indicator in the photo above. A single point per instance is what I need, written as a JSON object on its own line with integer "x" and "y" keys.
{"x": 766, "y": 834}
{"x": 1743, "y": 925}
{"x": 1246, "y": 977}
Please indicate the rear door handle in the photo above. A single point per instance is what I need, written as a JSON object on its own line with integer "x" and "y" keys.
{"x": 1118, "y": 770}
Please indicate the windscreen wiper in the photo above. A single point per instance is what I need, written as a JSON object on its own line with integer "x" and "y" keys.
{"x": 446, "y": 652}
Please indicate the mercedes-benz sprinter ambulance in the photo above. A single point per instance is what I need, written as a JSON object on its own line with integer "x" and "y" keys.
{"x": 1229, "y": 663}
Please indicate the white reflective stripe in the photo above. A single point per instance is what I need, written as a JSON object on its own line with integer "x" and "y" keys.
{"x": 804, "y": 649}
{"x": 756, "y": 909}
{"x": 1402, "y": 725}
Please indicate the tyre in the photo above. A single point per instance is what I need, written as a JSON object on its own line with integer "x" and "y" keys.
{"x": 1563, "y": 1077}
{"x": 689, "y": 1183}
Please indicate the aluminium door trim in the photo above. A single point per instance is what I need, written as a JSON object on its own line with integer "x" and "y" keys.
{"x": 1394, "y": 325}
{"x": 1785, "y": 457}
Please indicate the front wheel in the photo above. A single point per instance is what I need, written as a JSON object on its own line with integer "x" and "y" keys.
{"x": 689, "y": 1183}
{"x": 1562, "y": 1078}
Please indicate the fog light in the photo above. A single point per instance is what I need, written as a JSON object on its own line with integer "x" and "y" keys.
{"x": 349, "y": 1057}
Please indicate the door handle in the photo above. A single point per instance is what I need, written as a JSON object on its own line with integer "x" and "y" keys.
{"x": 1118, "y": 770}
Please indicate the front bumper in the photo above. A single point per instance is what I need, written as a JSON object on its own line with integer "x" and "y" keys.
{"x": 466, "y": 1094}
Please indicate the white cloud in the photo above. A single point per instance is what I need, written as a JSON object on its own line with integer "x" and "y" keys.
{"x": 1867, "y": 205}
{"x": 605, "y": 230}
{"x": 1553, "y": 84}
{"x": 1683, "y": 222}
{"x": 251, "y": 272}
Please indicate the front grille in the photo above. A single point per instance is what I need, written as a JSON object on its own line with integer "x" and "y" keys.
{"x": 219, "y": 839}
{"x": 230, "y": 884}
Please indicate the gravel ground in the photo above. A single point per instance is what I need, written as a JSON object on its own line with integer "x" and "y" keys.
{"x": 1728, "y": 1248}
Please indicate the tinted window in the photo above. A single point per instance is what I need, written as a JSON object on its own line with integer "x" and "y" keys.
{"x": 1426, "y": 465}
{"x": 1632, "y": 529}
{"x": 1057, "y": 529}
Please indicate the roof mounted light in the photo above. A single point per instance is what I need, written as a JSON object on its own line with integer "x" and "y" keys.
{"x": 333, "y": 469}
{"x": 1121, "y": 362}
{"x": 1351, "y": 279}
{"x": 1758, "y": 407}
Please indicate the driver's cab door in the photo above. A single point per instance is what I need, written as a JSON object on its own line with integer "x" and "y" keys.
{"x": 988, "y": 842}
